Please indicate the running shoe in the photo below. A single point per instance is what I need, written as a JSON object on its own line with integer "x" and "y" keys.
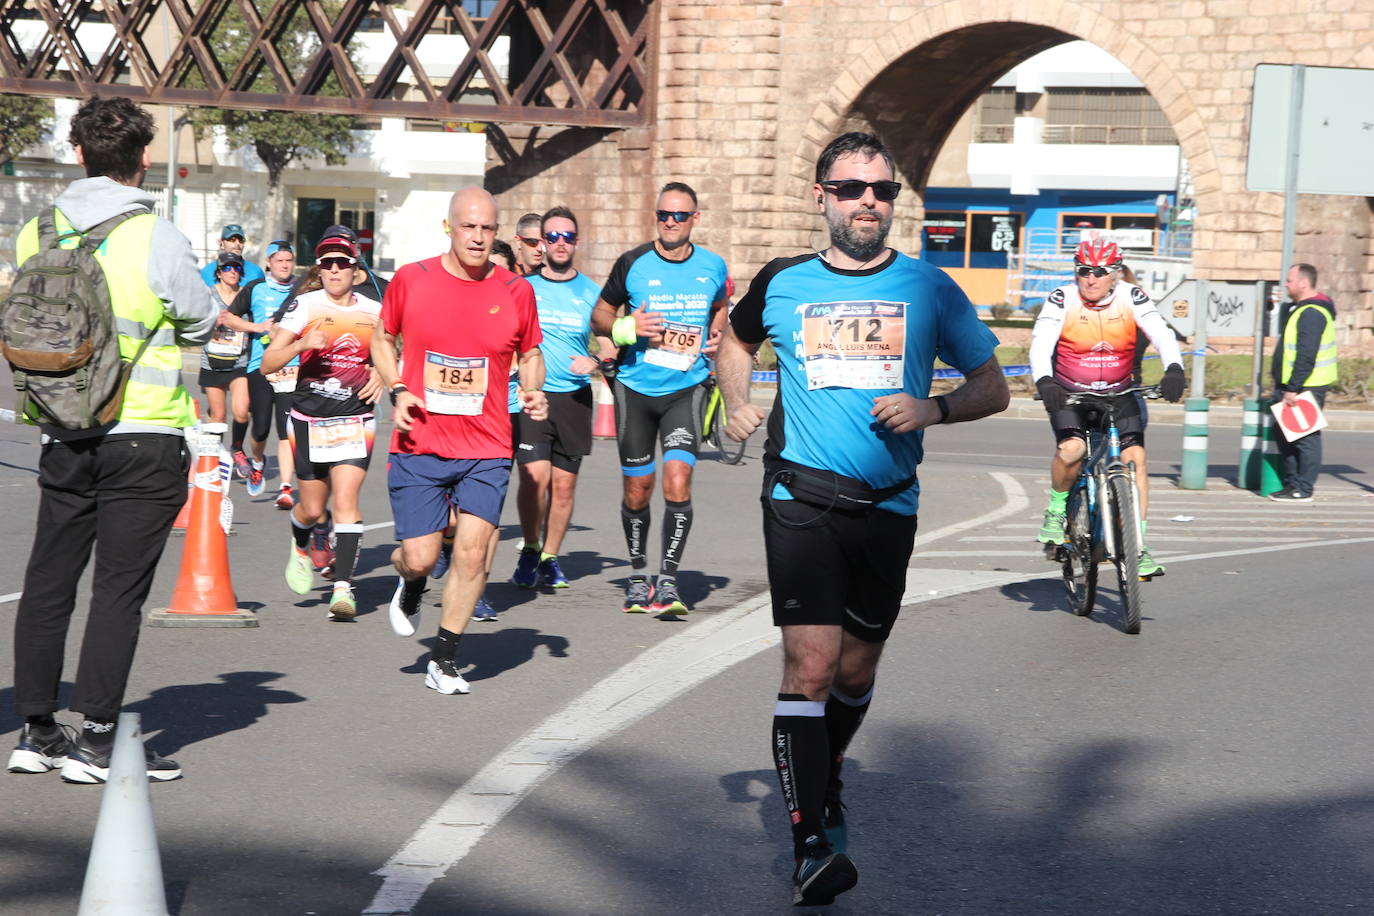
{"x": 821, "y": 874}
{"x": 551, "y": 574}
{"x": 445, "y": 558}
{"x": 300, "y": 574}
{"x": 255, "y": 482}
{"x": 1053, "y": 527}
{"x": 241, "y": 465}
{"x": 666, "y": 600}
{"x": 832, "y": 819}
{"x": 342, "y": 606}
{"x": 86, "y": 766}
{"x": 442, "y": 675}
{"x": 483, "y": 610}
{"x": 38, "y": 753}
{"x": 285, "y": 500}
{"x": 1149, "y": 569}
{"x": 322, "y": 546}
{"x": 526, "y": 568}
{"x": 405, "y": 606}
{"x": 638, "y": 595}
{"x": 1288, "y": 495}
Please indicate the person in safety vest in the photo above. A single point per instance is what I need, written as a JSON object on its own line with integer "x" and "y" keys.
{"x": 1304, "y": 360}
{"x": 120, "y": 484}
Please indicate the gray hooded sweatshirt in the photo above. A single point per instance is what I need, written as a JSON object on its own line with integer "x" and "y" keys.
{"x": 172, "y": 273}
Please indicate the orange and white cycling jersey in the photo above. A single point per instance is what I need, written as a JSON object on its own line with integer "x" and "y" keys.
{"x": 1092, "y": 346}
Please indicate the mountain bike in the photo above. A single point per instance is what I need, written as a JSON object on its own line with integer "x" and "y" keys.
{"x": 711, "y": 419}
{"x": 1103, "y": 514}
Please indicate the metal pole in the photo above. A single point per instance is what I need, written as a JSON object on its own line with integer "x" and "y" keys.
{"x": 171, "y": 167}
{"x": 1290, "y": 178}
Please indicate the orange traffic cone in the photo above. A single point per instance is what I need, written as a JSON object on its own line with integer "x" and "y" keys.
{"x": 204, "y": 594}
{"x": 603, "y": 422}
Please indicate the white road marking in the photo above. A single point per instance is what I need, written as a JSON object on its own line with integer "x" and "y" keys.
{"x": 12, "y": 596}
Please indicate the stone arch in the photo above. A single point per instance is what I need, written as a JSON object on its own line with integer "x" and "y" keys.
{"x": 890, "y": 80}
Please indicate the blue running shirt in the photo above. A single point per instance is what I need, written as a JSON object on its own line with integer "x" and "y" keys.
{"x": 844, "y": 337}
{"x": 565, "y": 317}
{"x": 256, "y": 302}
{"x": 684, "y": 292}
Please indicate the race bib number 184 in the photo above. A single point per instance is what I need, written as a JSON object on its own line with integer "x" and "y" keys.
{"x": 455, "y": 385}
{"x": 854, "y": 344}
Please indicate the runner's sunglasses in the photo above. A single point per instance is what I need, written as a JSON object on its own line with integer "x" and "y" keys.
{"x": 336, "y": 263}
{"x": 679, "y": 216}
{"x": 853, "y": 189}
{"x": 1084, "y": 270}
{"x": 531, "y": 242}
{"x": 553, "y": 237}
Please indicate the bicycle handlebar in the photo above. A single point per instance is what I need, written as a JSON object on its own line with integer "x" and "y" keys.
{"x": 1148, "y": 391}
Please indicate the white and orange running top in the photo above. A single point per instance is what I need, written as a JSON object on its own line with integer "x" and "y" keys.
{"x": 1092, "y": 346}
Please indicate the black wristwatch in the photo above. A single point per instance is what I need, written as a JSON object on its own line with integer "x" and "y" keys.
{"x": 941, "y": 403}
{"x": 396, "y": 389}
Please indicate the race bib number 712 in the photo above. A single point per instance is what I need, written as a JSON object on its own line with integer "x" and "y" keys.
{"x": 853, "y": 344}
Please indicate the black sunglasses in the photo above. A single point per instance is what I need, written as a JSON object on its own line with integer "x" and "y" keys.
{"x": 234, "y": 267}
{"x": 553, "y": 237}
{"x": 853, "y": 189}
{"x": 1084, "y": 270}
{"x": 532, "y": 242}
{"x": 336, "y": 263}
{"x": 678, "y": 216}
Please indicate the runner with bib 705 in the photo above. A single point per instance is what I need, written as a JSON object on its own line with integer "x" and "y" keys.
{"x": 1103, "y": 513}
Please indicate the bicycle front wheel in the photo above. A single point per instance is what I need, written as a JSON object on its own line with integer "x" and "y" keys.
{"x": 1127, "y": 551}
{"x": 703, "y": 411}
{"x": 730, "y": 451}
{"x": 1080, "y": 559}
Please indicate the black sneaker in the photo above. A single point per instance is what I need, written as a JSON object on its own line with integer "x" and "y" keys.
{"x": 42, "y": 750}
{"x": 821, "y": 874}
{"x": 1290, "y": 496}
{"x": 87, "y": 766}
{"x": 638, "y": 595}
{"x": 836, "y": 832}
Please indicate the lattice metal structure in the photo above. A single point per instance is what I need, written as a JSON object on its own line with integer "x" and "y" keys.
{"x": 568, "y": 62}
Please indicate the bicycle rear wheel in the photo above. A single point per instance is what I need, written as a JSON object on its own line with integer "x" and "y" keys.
{"x": 1080, "y": 560}
{"x": 729, "y": 450}
{"x": 703, "y": 410}
{"x": 1127, "y": 551}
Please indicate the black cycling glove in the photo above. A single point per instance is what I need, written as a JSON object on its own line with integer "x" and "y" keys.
{"x": 1052, "y": 394}
{"x": 1173, "y": 383}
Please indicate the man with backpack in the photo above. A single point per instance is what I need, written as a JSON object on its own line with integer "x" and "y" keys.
{"x": 105, "y": 296}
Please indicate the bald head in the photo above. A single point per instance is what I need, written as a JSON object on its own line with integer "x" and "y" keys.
{"x": 471, "y": 226}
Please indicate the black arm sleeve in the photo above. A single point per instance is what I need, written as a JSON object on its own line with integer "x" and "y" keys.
{"x": 747, "y": 316}
{"x": 615, "y": 291}
{"x": 243, "y": 302}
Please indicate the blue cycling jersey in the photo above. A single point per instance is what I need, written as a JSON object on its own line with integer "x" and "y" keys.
{"x": 565, "y": 317}
{"x": 845, "y": 337}
{"x": 684, "y": 292}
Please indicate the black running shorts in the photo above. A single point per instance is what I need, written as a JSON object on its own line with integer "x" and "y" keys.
{"x": 1077, "y": 421}
{"x": 564, "y": 438}
{"x": 670, "y": 420}
{"x": 836, "y": 568}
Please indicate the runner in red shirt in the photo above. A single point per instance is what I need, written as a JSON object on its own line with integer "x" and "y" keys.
{"x": 460, "y": 320}
{"x": 332, "y": 423}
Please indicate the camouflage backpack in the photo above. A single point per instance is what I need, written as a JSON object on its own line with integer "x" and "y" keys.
{"x": 58, "y": 333}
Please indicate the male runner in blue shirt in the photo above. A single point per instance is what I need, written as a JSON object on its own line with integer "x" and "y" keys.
{"x": 857, "y": 328}
{"x": 549, "y": 452}
{"x": 673, "y": 294}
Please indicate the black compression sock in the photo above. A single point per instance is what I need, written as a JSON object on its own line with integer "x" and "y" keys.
{"x": 348, "y": 540}
{"x": 300, "y": 533}
{"x": 801, "y": 753}
{"x": 240, "y": 430}
{"x": 677, "y": 523}
{"x": 99, "y": 734}
{"x": 843, "y": 716}
{"x": 636, "y": 524}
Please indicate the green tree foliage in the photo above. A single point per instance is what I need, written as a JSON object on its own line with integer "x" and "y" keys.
{"x": 24, "y": 120}
{"x": 279, "y": 138}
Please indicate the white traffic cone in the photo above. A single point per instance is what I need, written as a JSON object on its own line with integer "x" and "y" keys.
{"x": 124, "y": 874}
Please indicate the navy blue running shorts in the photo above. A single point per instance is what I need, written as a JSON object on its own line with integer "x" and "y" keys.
{"x": 424, "y": 487}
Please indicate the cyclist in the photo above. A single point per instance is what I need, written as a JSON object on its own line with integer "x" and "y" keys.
{"x": 332, "y": 423}
{"x": 549, "y": 452}
{"x": 1085, "y": 340}
{"x": 673, "y": 293}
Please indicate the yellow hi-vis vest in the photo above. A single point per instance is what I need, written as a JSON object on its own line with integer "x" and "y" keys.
{"x": 1324, "y": 370}
{"x": 155, "y": 395}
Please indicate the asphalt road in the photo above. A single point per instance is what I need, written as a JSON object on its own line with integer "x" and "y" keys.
{"x": 1017, "y": 759}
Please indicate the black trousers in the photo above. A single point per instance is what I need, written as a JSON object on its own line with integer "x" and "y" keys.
{"x": 1302, "y": 460}
{"x": 120, "y": 495}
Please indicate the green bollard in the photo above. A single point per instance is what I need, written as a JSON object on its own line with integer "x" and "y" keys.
{"x": 1194, "y": 444}
{"x": 1248, "y": 468}
{"x": 1271, "y": 468}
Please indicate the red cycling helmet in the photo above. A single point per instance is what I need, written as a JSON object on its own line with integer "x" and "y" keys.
{"x": 1097, "y": 253}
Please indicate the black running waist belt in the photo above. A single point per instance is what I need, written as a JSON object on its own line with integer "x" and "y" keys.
{"x": 826, "y": 488}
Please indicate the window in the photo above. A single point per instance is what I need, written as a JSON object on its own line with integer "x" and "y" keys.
{"x": 994, "y": 116}
{"x": 970, "y": 238}
{"x": 1100, "y": 115}
{"x": 1130, "y": 231}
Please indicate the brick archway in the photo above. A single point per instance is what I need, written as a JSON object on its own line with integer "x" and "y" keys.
{"x": 890, "y": 87}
